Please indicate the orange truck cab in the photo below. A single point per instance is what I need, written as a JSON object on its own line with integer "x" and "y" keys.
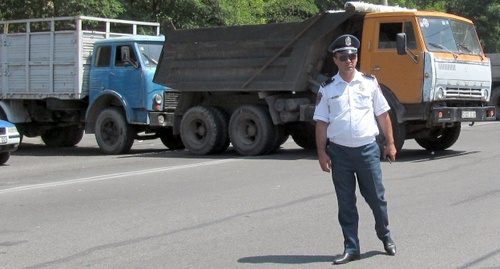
{"x": 438, "y": 78}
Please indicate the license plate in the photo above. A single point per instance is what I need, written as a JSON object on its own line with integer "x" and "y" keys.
{"x": 3, "y": 140}
{"x": 468, "y": 114}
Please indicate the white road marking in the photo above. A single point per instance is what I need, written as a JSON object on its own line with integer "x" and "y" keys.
{"x": 112, "y": 176}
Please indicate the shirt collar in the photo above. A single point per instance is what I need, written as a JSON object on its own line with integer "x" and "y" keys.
{"x": 357, "y": 77}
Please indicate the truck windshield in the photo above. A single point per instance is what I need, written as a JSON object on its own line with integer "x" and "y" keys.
{"x": 150, "y": 53}
{"x": 441, "y": 34}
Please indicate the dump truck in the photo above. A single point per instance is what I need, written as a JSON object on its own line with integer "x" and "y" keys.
{"x": 61, "y": 77}
{"x": 254, "y": 86}
{"x": 495, "y": 86}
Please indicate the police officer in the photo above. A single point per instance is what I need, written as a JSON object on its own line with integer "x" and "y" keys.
{"x": 347, "y": 110}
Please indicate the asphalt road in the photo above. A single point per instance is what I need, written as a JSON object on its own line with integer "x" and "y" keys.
{"x": 154, "y": 208}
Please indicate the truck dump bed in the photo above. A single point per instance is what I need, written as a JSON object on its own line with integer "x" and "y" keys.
{"x": 50, "y": 58}
{"x": 272, "y": 57}
{"x": 495, "y": 67}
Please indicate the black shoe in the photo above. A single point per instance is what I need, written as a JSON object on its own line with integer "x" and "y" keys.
{"x": 390, "y": 247}
{"x": 347, "y": 257}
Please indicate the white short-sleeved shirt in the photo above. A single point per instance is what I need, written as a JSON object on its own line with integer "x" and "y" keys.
{"x": 350, "y": 109}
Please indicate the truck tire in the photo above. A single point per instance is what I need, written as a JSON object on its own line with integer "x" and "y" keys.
{"x": 440, "y": 139}
{"x": 63, "y": 136}
{"x": 201, "y": 130}
{"x": 223, "y": 136}
{"x": 113, "y": 134}
{"x": 171, "y": 141}
{"x": 4, "y": 157}
{"x": 280, "y": 138}
{"x": 398, "y": 133}
{"x": 75, "y": 135}
{"x": 251, "y": 130}
{"x": 304, "y": 135}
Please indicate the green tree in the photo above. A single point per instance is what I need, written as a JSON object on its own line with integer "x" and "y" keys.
{"x": 19, "y": 9}
{"x": 205, "y": 13}
{"x": 289, "y": 10}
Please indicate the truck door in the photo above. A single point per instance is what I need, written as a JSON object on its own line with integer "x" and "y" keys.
{"x": 126, "y": 76}
{"x": 400, "y": 73}
{"x": 99, "y": 78}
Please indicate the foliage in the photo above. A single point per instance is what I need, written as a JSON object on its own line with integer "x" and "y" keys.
{"x": 22, "y": 9}
{"x": 206, "y": 13}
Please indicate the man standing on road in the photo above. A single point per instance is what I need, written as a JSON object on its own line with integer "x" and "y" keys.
{"x": 346, "y": 128}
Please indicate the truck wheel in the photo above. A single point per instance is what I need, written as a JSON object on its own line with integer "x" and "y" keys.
{"x": 201, "y": 130}
{"x": 112, "y": 132}
{"x": 398, "y": 133}
{"x": 223, "y": 136}
{"x": 171, "y": 141}
{"x": 4, "y": 157}
{"x": 74, "y": 136}
{"x": 280, "y": 138}
{"x": 304, "y": 135}
{"x": 63, "y": 136}
{"x": 251, "y": 130}
{"x": 440, "y": 139}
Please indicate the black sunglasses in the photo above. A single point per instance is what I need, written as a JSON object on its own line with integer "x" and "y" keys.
{"x": 351, "y": 57}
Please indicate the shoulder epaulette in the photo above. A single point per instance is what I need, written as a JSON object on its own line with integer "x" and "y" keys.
{"x": 367, "y": 75}
{"x": 328, "y": 81}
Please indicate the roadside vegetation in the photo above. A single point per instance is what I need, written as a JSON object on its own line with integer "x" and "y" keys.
{"x": 186, "y": 14}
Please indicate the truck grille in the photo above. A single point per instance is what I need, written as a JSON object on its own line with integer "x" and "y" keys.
{"x": 171, "y": 100}
{"x": 463, "y": 93}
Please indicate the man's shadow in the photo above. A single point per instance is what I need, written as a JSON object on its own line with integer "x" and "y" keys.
{"x": 300, "y": 259}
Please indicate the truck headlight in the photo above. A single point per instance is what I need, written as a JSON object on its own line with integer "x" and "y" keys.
{"x": 157, "y": 102}
{"x": 440, "y": 93}
{"x": 486, "y": 94}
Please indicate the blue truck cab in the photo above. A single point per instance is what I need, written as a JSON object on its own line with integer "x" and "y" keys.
{"x": 124, "y": 102}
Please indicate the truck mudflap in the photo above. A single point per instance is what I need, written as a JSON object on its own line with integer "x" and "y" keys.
{"x": 463, "y": 114}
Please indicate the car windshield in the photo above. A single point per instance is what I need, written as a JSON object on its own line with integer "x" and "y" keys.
{"x": 441, "y": 34}
{"x": 150, "y": 53}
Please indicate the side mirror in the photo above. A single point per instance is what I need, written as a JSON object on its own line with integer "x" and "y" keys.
{"x": 125, "y": 54}
{"x": 401, "y": 44}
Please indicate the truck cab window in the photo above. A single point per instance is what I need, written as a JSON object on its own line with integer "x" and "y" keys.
{"x": 410, "y": 36}
{"x": 120, "y": 56}
{"x": 387, "y": 35}
{"x": 389, "y": 31}
{"x": 103, "y": 57}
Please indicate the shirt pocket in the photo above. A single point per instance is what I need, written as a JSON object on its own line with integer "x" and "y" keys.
{"x": 337, "y": 105}
{"x": 363, "y": 100}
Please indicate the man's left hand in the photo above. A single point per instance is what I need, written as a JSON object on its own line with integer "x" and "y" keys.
{"x": 390, "y": 152}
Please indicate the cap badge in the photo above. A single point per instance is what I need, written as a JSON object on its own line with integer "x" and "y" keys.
{"x": 347, "y": 41}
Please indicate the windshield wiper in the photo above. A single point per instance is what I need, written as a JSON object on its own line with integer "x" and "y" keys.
{"x": 469, "y": 50}
{"x": 440, "y": 46}
{"x": 149, "y": 58}
{"x": 464, "y": 47}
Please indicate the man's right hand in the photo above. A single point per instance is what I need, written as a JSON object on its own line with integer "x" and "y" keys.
{"x": 324, "y": 161}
